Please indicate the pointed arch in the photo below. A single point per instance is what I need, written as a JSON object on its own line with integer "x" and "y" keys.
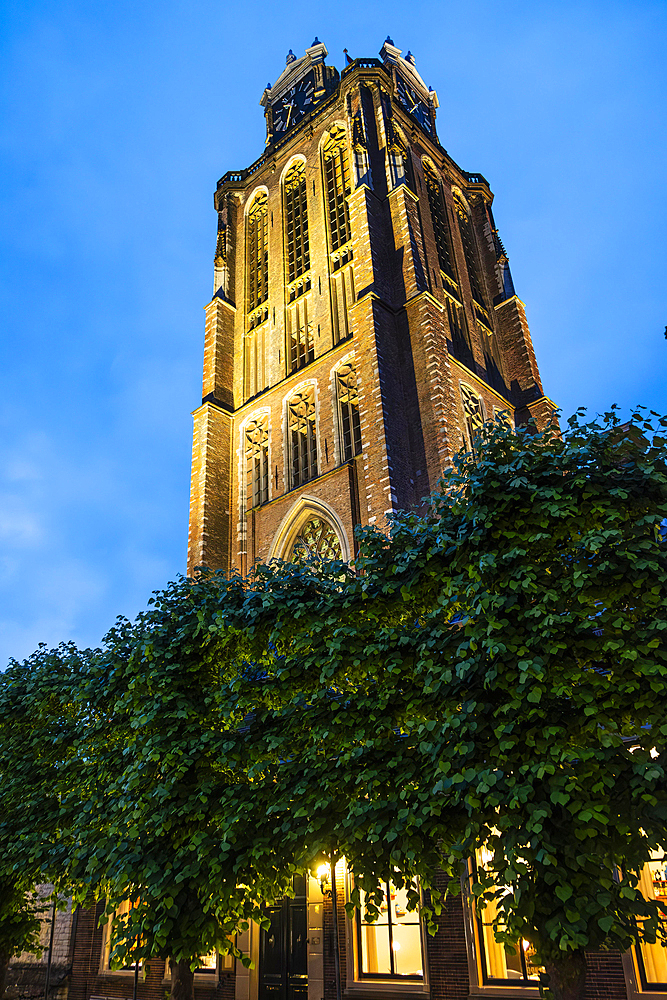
{"x": 306, "y": 510}
{"x": 337, "y": 186}
{"x": 295, "y": 213}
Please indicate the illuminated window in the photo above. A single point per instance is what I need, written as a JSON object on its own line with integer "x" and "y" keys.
{"x": 257, "y": 252}
{"x": 348, "y": 412}
{"x": 296, "y": 221}
{"x": 470, "y": 252}
{"x": 114, "y": 927}
{"x": 441, "y": 232}
{"x": 473, "y": 414}
{"x": 391, "y": 946}
{"x": 302, "y": 437}
{"x": 257, "y": 461}
{"x": 337, "y": 183}
{"x": 651, "y": 959}
{"x": 498, "y": 963}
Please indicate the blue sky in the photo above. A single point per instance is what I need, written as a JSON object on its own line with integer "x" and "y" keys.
{"x": 116, "y": 122}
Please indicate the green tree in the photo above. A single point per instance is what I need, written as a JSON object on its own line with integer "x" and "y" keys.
{"x": 496, "y": 676}
{"x": 492, "y": 674}
{"x": 19, "y": 922}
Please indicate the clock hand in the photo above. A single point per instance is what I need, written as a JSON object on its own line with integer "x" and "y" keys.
{"x": 291, "y": 108}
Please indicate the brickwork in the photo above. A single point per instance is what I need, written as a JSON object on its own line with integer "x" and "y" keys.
{"x": 90, "y": 982}
{"x": 26, "y": 977}
{"x": 409, "y": 359}
{"x": 415, "y": 335}
{"x": 448, "y": 956}
{"x": 605, "y": 979}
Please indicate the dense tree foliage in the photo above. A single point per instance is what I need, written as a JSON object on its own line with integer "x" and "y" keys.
{"x": 492, "y": 674}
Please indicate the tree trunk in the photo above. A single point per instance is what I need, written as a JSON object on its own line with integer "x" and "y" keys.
{"x": 4, "y": 965}
{"x": 182, "y": 981}
{"x": 567, "y": 977}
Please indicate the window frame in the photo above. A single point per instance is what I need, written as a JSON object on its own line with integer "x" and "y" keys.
{"x": 355, "y": 427}
{"x": 261, "y": 420}
{"x": 480, "y": 984}
{"x": 296, "y": 222}
{"x": 381, "y": 987}
{"x": 313, "y": 446}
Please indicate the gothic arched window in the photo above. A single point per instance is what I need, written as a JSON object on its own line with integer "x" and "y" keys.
{"x": 440, "y": 221}
{"x": 470, "y": 252}
{"x": 316, "y": 540}
{"x": 257, "y": 252}
{"x": 257, "y": 461}
{"x": 347, "y": 396}
{"x": 473, "y": 414}
{"x": 296, "y": 221}
{"x": 337, "y": 184}
{"x": 302, "y": 436}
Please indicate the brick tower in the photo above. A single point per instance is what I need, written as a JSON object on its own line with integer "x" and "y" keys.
{"x": 363, "y": 324}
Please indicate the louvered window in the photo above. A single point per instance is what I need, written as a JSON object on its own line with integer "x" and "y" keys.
{"x": 296, "y": 221}
{"x": 440, "y": 221}
{"x": 470, "y": 253}
{"x": 337, "y": 181}
{"x": 257, "y": 252}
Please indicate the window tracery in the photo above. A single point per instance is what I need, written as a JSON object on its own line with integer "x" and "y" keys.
{"x": 316, "y": 540}
{"x": 302, "y": 436}
{"x": 257, "y": 461}
{"x": 347, "y": 395}
{"x": 473, "y": 414}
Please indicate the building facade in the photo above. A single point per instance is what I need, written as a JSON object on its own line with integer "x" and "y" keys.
{"x": 363, "y": 326}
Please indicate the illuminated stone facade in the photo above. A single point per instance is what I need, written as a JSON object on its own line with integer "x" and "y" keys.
{"x": 363, "y": 321}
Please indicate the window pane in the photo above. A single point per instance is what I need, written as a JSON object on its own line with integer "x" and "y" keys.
{"x": 407, "y": 948}
{"x": 375, "y": 949}
{"x": 208, "y": 963}
{"x": 653, "y": 885}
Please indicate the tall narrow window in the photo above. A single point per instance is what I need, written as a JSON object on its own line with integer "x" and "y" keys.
{"x": 337, "y": 182}
{"x": 651, "y": 959}
{"x": 348, "y": 412}
{"x": 458, "y": 328}
{"x": 296, "y": 221}
{"x": 501, "y": 965}
{"x": 257, "y": 253}
{"x": 441, "y": 232}
{"x": 473, "y": 414}
{"x": 302, "y": 436}
{"x": 257, "y": 461}
{"x": 300, "y": 339}
{"x": 470, "y": 252}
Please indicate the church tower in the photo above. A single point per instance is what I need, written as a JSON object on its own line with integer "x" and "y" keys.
{"x": 363, "y": 325}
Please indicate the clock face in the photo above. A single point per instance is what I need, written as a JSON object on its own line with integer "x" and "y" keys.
{"x": 414, "y": 104}
{"x": 293, "y": 105}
